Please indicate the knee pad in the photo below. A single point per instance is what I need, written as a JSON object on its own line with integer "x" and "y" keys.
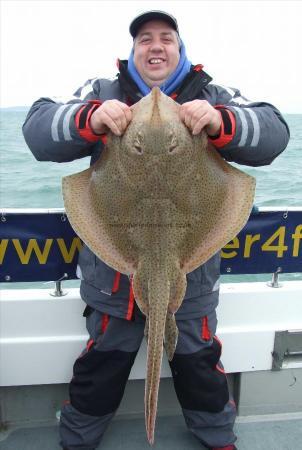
{"x": 199, "y": 382}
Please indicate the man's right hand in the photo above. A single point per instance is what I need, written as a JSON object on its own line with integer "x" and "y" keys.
{"x": 111, "y": 115}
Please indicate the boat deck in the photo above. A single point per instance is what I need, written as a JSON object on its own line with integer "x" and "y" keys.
{"x": 275, "y": 432}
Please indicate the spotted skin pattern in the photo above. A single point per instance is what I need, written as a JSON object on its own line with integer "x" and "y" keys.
{"x": 158, "y": 204}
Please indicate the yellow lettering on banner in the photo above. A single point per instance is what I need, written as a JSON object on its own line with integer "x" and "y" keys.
{"x": 32, "y": 246}
{"x": 3, "y": 247}
{"x": 234, "y": 243}
{"x": 249, "y": 240}
{"x": 279, "y": 247}
{"x": 297, "y": 236}
{"x": 68, "y": 255}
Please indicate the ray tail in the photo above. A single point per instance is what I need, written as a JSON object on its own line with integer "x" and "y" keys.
{"x": 158, "y": 301}
{"x": 171, "y": 336}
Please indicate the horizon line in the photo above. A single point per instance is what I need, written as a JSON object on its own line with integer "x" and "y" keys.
{"x": 29, "y": 106}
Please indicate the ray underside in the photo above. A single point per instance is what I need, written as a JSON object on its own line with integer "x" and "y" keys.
{"x": 158, "y": 211}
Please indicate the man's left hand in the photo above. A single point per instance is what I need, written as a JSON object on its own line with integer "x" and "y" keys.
{"x": 198, "y": 115}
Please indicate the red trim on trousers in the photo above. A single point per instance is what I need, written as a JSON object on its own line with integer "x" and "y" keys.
{"x": 104, "y": 324}
{"x": 89, "y": 344}
{"x": 115, "y": 288}
{"x": 205, "y": 332}
{"x": 220, "y": 369}
{"x": 218, "y": 340}
{"x": 116, "y": 282}
{"x": 130, "y": 300}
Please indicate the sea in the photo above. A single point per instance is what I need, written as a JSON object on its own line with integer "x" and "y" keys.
{"x": 27, "y": 183}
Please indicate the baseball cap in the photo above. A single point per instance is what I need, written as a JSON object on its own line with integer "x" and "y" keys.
{"x": 139, "y": 20}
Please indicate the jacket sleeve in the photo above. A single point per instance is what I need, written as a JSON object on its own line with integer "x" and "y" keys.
{"x": 50, "y": 129}
{"x": 257, "y": 132}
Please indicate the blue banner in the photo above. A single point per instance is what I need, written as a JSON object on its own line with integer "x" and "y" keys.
{"x": 42, "y": 246}
{"x": 270, "y": 240}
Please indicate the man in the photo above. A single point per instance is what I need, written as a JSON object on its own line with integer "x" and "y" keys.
{"x": 251, "y": 133}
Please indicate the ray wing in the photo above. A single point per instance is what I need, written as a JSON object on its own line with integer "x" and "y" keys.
{"x": 88, "y": 224}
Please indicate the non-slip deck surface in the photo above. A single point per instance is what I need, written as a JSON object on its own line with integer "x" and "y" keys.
{"x": 171, "y": 434}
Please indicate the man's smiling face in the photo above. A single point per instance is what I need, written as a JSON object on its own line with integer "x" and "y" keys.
{"x": 156, "y": 52}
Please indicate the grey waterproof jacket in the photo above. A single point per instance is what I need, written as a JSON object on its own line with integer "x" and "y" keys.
{"x": 253, "y": 133}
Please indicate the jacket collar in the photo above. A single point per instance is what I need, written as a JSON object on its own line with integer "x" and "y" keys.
{"x": 188, "y": 90}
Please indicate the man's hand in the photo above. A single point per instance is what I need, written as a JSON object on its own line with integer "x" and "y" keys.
{"x": 198, "y": 115}
{"x": 111, "y": 115}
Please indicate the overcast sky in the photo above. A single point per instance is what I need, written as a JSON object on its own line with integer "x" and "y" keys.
{"x": 52, "y": 47}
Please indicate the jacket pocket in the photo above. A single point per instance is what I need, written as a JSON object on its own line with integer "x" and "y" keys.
{"x": 205, "y": 279}
{"x": 95, "y": 272}
{"x": 87, "y": 264}
{"x": 96, "y": 324}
